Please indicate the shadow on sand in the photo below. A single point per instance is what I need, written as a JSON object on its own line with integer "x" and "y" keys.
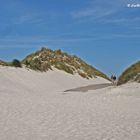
{"x": 89, "y": 87}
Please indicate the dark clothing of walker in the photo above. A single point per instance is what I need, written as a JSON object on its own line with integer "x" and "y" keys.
{"x": 113, "y": 79}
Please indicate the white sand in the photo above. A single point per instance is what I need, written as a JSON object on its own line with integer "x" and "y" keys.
{"x": 33, "y": 106}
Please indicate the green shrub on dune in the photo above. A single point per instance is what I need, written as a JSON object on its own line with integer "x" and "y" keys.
{"x": 16, "y": 63}
{"x": 130, "y": 73}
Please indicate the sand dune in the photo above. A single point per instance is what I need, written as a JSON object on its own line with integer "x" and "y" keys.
{"x": 33, "y": 106}
{"x": 56, "y": 80}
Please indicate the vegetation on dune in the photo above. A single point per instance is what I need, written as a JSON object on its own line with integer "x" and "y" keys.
{"x": 46, "y": 59}
{"x": 2, "y": 63}
{"x": 14, "y": 63}
{"x": 130, "y": 74}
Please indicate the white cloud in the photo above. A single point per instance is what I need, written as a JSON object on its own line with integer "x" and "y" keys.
{"x": 28, "y": 18}
{"x": 43, "y": 40}
{"x": 99, "y": 9}
{"x": 93, "y": 12}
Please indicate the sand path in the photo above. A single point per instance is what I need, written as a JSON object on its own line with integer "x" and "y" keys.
{"x": 90, "y": 87}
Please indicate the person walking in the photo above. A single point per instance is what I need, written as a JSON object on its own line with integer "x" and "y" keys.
{"x": 113, "y": 79}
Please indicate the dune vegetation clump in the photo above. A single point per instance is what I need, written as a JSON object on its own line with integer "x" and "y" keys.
{"x": 14, "y": 63}
{"x": 46, "y": 59}
{"x": 130, "y": 74}
{"x": 2, "y": 63}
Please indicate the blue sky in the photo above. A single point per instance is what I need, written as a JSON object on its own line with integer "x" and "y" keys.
{"x": 104, "y": 33}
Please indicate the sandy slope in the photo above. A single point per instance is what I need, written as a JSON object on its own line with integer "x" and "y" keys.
{"x": 33, "y": 106}
{"x": 23, "y": 79}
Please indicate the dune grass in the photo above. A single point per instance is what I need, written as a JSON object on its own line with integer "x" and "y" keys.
{"x": 45, "y": 59}
{"x": 129, "y": 73}
{"x": 14, "y": 63}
